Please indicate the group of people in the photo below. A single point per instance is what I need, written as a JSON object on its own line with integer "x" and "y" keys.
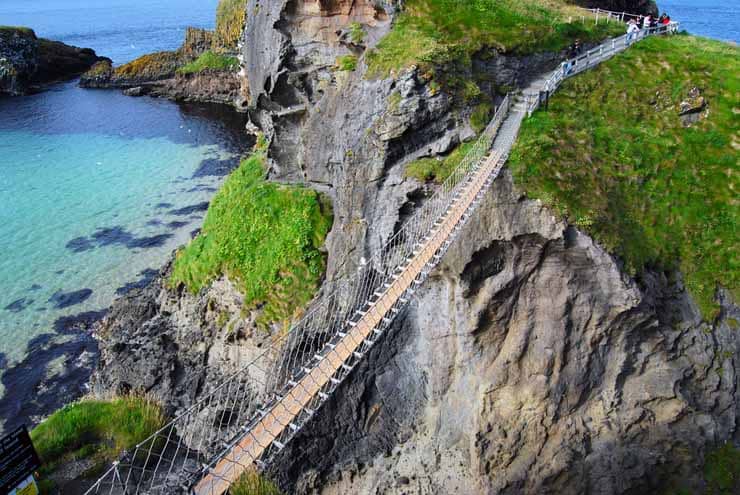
{"x": 633, "y": 27}
{"x": 646, "y": 22}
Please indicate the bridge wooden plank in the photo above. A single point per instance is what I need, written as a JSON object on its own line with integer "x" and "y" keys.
{"x": 287, "y": 409}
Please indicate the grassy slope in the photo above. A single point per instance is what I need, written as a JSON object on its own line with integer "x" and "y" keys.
{"x": 439, "y": 31}
{"x": 264, "y": 235}
{"x": 95, "y": 428}
{"x": 612, "y": 155}
{"x": 209, "y": 61}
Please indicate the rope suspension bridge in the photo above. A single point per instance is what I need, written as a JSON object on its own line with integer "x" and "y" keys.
{"x": 247, "y": 419}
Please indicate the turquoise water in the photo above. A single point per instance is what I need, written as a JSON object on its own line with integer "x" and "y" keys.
{"x": 96, "y": 191}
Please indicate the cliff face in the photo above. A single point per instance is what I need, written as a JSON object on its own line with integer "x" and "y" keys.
{"x": 27, "y": 62}
{"x": 529, "y": 363}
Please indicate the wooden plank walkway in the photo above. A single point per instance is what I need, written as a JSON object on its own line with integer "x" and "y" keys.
{"x": 286, "y": 410}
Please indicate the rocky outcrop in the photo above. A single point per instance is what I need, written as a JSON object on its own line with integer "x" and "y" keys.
{"x": 529, "y": 363}
{"x": 157, "y": 74}
{"x": 27, "y": 62}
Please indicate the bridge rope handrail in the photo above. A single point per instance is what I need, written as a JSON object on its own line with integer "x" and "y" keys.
{"x": 308, "y": 362}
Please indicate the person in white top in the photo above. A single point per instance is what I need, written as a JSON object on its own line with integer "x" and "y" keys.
{"x": 632, "y": 28}
{"x": 646, "y": 21}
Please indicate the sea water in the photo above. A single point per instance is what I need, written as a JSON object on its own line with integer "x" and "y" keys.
{"x": 96, "y": 191}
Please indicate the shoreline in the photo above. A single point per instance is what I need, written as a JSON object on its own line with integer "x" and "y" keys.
{"x": 56, "y": 365}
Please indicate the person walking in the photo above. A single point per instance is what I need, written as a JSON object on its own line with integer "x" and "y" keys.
{"x": 632, "y": 29}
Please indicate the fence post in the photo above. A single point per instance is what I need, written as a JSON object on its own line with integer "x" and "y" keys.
{"x": 597, "y": 15}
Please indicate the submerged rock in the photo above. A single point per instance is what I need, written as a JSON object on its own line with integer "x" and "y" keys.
{"x": 28, "y": 62}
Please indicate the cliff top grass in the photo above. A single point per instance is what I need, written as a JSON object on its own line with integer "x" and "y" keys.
{"x": 265, "y": 236}
{"x": 613, "y": 156}
{"x": 95, "y": 428}
{"x": 431, "y": 32}
{"x": 209, "y": 61}
{"x": 231, "y": 15}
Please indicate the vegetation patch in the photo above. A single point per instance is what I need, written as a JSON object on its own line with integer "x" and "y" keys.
{"x": 209, "y": 61}
{"x": 722, "y": 471}
{"x": 613, "y": 154}
{"x": 231, "y": 16}
{"x": 356, "y": 33}
{"x": 347, "y": 63}
{"x": 152, "y": 66}
{"x": 265, "y": 236}
{"x": 95, "y": 429}
{"x": 438, "y": 169}
{"x": 434, "y": 32}
{"x": 252, "y": 483}
{"x": 481, "y": 117}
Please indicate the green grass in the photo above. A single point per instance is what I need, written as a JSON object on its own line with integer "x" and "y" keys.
{"x": 722, "y": 471}
{"x": 251, "y": 483}
{"x": 434, "y": 32}
{"x": 481, "y": 117}
{"x": 209, "y": 61}
{"x": 612, "y": 155}
{"x": 96, "y": 428}
{"x": 231, "y": 15}
{"x": 356, "y": 33}
{"x": 437, "y": 169}
{"x": 266, "y": 236}
{"x": 347, "y": 63}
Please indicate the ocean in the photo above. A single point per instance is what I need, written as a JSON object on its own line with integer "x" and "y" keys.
{"x": 96, "y": 191}
{"x": 710, "y": 18}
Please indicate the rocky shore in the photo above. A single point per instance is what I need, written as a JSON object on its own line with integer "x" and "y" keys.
{"x": 167, "y": 74}
{"x": 27, "y": 62}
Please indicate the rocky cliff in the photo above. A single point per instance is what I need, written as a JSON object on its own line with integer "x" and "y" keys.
{"x": 28, "y": 62}
{"x": 529, "y": 363}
